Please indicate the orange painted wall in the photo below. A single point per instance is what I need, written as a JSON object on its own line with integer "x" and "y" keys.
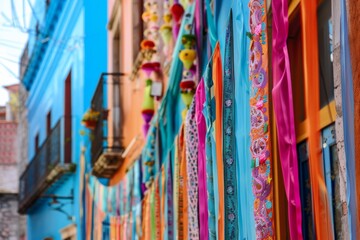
{"x": 131, "y": 91}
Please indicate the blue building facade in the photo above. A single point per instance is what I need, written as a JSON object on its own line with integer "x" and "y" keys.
{"x": 65, "y": 55}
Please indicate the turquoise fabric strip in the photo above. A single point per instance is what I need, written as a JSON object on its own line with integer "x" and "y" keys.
{"x": 211, "y": 25}
{"x": 212, "y": 188}
{"x": 242, "y": 118}
{"x": 241, "y": 16}
{"x": 229, "y": 163}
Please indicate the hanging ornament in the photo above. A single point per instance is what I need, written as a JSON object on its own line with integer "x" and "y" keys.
{"x": 187, "y": 57}
{"x": 148, "y": 107}
{"x": 187, "y": 97}
{"x": 167, "y": 17}
{"x": 166, "y": 33}
{"x": 188, "y": 81}
{"x": 150, "y": 67}
{"x": 146, "y": 16}
{"x": 189, "y": 41}
{"x": 148, "y": 49}
{"x": 177, "y": 11}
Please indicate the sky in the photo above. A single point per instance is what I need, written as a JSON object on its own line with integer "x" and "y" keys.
{"x": 13, "y": 37}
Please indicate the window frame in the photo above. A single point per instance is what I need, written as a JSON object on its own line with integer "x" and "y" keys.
{"x": 327, "y": 118}
{"x": 327, "y": 114}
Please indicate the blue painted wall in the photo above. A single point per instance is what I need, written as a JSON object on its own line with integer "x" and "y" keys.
{"x": 78, "y": 44}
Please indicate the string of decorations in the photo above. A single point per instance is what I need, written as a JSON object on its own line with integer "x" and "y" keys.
{"x": 151, "y": 65}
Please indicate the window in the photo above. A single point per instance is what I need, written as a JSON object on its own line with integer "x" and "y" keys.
{"x": 36, "y": 143}
{"x": 48, "y": 123}
{"x": 37, "y": 30}
{"x": 326, "y": 113}
{"x": 116, "y": 52}
{"x": 326, "y": 81}
{"x": 332, "y": 175}
{"x": 137, "y": 26}
{"x": 325, "y": 54}
{"x": 296, "y": 66}
{"x": 67, "y": 118}
{"x": 305, "y": 192}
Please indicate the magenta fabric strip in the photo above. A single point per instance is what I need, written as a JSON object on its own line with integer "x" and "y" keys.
{"x": 284, "y": 114}
{"x": 198, "y": 32}
{"x": 200, "y": 120}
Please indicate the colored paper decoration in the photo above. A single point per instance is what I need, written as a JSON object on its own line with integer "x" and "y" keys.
{"x": 148, "y": 106}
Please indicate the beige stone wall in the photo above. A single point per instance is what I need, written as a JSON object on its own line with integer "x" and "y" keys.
{"x": 9, "y": 218}
{"x": 339, "y": 118}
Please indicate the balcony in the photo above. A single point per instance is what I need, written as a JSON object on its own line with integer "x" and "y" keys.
{"x": 51, "y": 162}
{"x": 106, "y": 144}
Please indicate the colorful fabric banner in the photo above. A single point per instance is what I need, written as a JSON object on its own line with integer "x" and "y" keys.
{"x": 259, "y": 113}
{"x": 284, "y": 115}
{"x": 211, "y": 167}
{"x": 191, "y": 138}
{"x": 229, "y": 163}
{"x": 202, "y": 171}
{"x": 323, "y": 223}
{"x": 242, "y": 118}
{"x": 218, "y": 90}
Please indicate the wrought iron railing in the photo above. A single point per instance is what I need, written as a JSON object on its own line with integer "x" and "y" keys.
{"x": 45, "y": 166}
{"x": 101, "y": 140}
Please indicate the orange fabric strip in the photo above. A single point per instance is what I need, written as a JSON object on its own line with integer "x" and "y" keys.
{"x": 158, "y": 216}
{"x": 162, "y": 205}
{"x": 323, "y": 225}
{"x": 88, "y": 214}
{"x": 218, "y": 88}
{"x": 182, "y": 201}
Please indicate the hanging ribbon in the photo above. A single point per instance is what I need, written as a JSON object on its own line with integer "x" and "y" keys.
{"x": 348, "y": 118}
{"x": 169, "y": 211}
{"x": 284, "y": 115}
{"x": 211, "y": 24}
{"x": 242, "y": 118}
{"x": 211, "y": 166}
{"x": 228, "y": 138}
{"x": 201, "y": 129}
{"x": 182, "y": 201}
{"x": 323, "y": 224}
{"x": 259, "y": 113}
{"x": 191, "y": 139}
{"x": 218, "y": 89}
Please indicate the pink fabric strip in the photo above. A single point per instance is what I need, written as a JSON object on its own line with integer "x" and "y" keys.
{"x": 284, "y": 114}
{"x": 198, "y": 32}
{"x": 200, "y": 120}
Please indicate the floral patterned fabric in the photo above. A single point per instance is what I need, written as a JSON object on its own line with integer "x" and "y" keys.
{"x": 191, "y": 138}
{"x": 259, "y": 113}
